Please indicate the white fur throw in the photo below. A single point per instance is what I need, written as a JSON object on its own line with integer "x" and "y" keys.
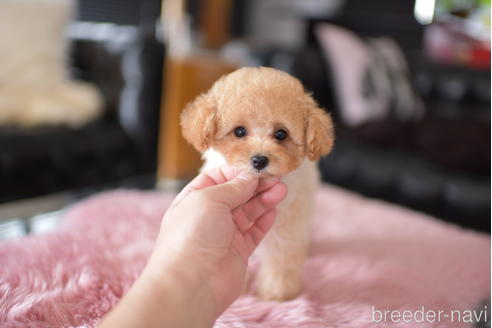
{"x": 34, "y": 85}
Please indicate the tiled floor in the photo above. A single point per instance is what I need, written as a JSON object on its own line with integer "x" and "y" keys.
{"x": 36, "y": 215}
{"x": 43, "y": 214}
{"x": 19, "y": 227}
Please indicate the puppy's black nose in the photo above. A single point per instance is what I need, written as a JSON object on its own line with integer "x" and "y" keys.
{"x": 259, "y": 162}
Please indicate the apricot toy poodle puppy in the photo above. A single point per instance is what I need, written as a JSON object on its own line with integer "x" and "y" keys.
{"x": 261, "y": 119}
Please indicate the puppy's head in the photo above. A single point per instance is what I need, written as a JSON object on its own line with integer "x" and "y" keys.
{"x": 259, "y": 119}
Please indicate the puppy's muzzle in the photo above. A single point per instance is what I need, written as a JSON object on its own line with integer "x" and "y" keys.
{"x": 259, "y": 162}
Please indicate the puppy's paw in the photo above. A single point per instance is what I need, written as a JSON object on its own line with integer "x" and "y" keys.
{"x": 279, "y": 287}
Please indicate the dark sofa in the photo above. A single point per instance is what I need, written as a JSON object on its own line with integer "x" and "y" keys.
{"x": 439, "y": 164}
{"x": 125, "y": 63}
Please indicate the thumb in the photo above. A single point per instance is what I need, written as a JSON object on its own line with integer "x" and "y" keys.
{"x": 234, "y": 192}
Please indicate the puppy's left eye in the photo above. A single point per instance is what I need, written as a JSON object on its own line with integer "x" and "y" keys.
{"x": 280, "y": 134}
{"x": 240, "y": 132}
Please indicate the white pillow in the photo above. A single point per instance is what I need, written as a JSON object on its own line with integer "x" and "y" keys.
{"x": 371, "y": 78}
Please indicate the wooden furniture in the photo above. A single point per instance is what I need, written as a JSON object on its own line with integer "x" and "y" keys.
{"x": 185, "y": 79}
{"x": 189, "y": 71}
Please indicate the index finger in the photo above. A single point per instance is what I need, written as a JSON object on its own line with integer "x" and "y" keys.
{"x": 208, "y": 178}
{"x": 220, "y": 175}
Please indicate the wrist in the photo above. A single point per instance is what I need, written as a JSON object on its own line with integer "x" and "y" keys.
{"x": 161, "y": 301}
{"x": 181, "y": 291}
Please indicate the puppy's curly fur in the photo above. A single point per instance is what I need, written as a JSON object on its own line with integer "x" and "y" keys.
{"x": 263, "y": 101}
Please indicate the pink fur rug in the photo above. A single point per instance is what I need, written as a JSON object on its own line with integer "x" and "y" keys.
{"x": 366, "y": 256}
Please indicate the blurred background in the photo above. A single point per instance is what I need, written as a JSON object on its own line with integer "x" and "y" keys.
{"x": 91, "y": 91}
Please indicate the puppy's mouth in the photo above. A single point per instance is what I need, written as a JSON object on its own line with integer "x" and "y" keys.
{"x": 261, "y": 173}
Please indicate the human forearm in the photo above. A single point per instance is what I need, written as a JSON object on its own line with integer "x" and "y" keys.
{"x": 162, "y": 301}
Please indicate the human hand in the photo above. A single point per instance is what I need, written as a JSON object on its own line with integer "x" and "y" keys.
{"x": 211, "y": 229}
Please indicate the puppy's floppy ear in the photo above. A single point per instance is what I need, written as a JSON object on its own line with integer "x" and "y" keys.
{"x": 198, "y": 121}
{"x": 319, "y": 130}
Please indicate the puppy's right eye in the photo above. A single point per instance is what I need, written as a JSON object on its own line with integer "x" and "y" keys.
{"x": 240, "y": 132}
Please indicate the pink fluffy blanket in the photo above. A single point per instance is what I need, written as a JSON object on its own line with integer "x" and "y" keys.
{"x": 368, "y": 260}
